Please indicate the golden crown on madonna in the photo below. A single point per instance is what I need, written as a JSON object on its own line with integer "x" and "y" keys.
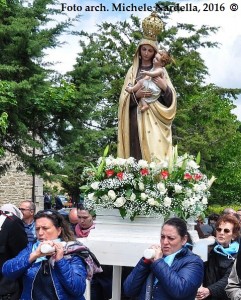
{"x": 152, "y": 26}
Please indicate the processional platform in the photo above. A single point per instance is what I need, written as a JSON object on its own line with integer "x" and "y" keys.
{"x": 121, "y": 242}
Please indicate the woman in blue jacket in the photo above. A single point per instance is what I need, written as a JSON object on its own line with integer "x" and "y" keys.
{"x": 50, "y": 270}
{"x": 174, "y": 272}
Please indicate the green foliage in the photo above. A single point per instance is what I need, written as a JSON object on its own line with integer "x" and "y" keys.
{"x": 218, "y": 209}
{"x": 41, "y": 112}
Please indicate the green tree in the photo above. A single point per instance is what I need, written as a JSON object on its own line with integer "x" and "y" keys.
{"x": 41, "y": 108}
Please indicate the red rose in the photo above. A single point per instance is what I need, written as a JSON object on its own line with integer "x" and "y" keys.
{"x": 144, "y": 172}
{"x": 109, "y": 173}
{"x": 120, "y": 175}
{"x": 164, "y": 174}
{"x": 187, "y": 176}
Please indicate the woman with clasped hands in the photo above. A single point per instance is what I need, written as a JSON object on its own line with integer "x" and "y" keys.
{"x": 51, "y": 275}
{"x": 174, "y": 272}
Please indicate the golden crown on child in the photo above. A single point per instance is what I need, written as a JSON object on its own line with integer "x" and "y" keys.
{"x": 152, "y": 26}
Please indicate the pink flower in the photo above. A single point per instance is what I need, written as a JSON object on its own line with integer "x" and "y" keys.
{"x": 120, "y": 175}
{"x": 197, "y": 177}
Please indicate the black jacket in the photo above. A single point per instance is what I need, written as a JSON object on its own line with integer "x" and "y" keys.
{"x": 216, "y": 273}
{"x": 12, "y": 240}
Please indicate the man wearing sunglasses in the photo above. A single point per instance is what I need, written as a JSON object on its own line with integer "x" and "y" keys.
{"x": 220, "y": 259}
{"x": 27, "y": 207}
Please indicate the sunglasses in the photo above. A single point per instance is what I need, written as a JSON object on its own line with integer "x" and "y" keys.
{"x": 225, "y": 230}
{"x": 53, "y": 215}
{"x": 47, "y": 212}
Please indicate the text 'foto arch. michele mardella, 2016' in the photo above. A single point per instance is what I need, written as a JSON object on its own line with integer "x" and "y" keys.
{"x": 122, "y": 7}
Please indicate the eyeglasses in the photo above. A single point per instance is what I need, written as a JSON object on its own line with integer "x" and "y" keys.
{"x": 225, "y": 230}
{"x": 51, "y": 214}
{"x": 46, "y": 212}
{"x": 24, "y": 209}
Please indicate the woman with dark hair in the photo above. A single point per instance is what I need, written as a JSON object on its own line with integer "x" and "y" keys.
{"x": 220, "y": 259}
{"x": 51, "y": 268}
{"x": 174, "y": 271}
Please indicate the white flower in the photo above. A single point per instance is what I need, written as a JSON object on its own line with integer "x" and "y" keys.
{"x": 180, "y": 160}
{"x": 151, "y": 201}
{"x": 163, "y": 164}
{"x": 142, "y": 163}
{"x": 112, "y": 194}
{"x": 132, "y": 197}
{"x": 211, "y": 180}
{"x": 161, "y": 187}
{"x": 141, "y": 186}
{"x": 143, "y": 196}
{"x": 197, "y": 187}
{"x": 203, "y": 186}
{"x": 120, "y": 161}
{"x": 104, "y": 198}
{"x": 109, "y": 161}
{"x": 178, "y": 188}
{"x": 204, "y": 200}
{"x": 192, "y": 164}
{"x": 92, "y": 196}
{"x": 188, "y": 192}
{"x": 167, "y": 201}
{"x": 193, "y": 200}
{"x": 185, "y": 204}
{"x": 120, "y": 202}
{"x": 130, "y": 160}
{"x": 95, "y": 185}
{"x": 152, "y": 165}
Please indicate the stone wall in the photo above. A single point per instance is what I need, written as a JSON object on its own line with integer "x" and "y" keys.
{"x": 16, "y": 186}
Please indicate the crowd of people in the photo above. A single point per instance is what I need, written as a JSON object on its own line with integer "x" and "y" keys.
{"x": 32, "y": 271}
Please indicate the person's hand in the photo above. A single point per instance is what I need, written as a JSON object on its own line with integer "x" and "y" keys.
{"x": 161, "y": 82}
{"x": 37, "y": 253}
{"x": 202, "y": 293}
{"x": 158, "y": 251}
{"x": 143, "y": 93}
{"x": 59, "y": 251}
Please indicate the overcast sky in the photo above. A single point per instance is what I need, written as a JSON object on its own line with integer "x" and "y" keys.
{"x": 224, "y": 63}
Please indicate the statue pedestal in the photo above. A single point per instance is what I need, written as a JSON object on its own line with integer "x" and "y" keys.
{"x": 121, "y": 242}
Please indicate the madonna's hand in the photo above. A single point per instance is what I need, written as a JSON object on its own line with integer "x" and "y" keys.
{"x": 160, "y": 82}
{"x": 143, "y": 93}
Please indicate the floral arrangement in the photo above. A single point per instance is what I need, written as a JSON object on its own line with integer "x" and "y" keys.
{"x": 171, "y": 187}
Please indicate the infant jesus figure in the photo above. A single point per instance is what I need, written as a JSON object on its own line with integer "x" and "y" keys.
{"x": 161, "y": 59}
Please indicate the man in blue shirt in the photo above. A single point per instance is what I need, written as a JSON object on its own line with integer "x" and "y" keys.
{"x": 28, "y": 208}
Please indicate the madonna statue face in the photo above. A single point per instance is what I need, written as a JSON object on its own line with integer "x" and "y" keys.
{"x": 147, "y": 54}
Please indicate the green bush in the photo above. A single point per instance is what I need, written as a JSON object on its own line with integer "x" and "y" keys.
{"x": 218, "y": 209}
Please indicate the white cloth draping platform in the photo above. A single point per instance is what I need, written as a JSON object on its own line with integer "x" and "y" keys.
{"x": 119, "y": 243}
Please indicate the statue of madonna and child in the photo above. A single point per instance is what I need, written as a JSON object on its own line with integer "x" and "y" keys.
{"x": 146, "y": 134}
